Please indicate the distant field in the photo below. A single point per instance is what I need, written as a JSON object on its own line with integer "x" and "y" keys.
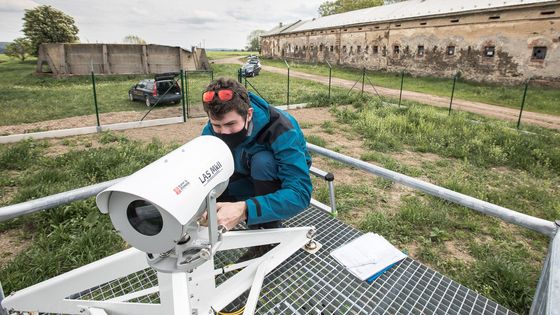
{"x": 220, "y": 54}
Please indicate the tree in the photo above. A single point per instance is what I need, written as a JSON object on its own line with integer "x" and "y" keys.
{"x": 19, "y": 48}
{"x": 340, "y": 6}
{"x": 133, "y": 39}
{"x": 45, "y": 24}
{"x": 254, "y": 40}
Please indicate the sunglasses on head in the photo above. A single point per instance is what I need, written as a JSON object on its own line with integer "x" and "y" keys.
{"x": 223, "y": 95}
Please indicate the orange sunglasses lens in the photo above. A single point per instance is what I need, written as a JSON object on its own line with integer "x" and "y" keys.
{"x": 223, "y": 95}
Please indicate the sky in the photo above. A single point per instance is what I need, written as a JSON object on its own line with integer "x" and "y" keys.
{"x": 185, "y": 23}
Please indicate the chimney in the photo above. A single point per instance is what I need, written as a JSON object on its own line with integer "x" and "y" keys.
{"x": 280, "y": 24}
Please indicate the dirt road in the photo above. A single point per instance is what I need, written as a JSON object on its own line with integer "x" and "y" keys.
{"x": 528, "y": 117}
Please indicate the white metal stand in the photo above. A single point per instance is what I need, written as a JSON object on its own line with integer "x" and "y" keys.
{"x": 182, "y": 293}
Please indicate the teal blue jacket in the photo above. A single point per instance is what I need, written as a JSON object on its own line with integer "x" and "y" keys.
{"x": 276, "y": 131}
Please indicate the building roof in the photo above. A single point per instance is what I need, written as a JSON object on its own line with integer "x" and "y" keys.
{"x": 284, "y": 28}
{"x": 402, "y": 10}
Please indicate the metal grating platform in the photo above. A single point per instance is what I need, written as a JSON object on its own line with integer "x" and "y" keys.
{"x": 317, "y": 284}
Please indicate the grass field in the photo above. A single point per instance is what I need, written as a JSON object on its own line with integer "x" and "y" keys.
{"x": 539, "y": 99}
{"x": 28, "y": 98}
{"x": 487, "y": 161}
{"x": 219, "y": 54}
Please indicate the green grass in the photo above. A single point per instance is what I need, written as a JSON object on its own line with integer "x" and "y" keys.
{"x": 28, "y": 98}
{"x": 504, "y": 261}
{"x": 539, "y": 99}
{"x": 488, "y": 161}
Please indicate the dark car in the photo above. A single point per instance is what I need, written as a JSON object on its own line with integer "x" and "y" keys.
{"x": 252, "y": 67}
{"x": 160, "y": 90}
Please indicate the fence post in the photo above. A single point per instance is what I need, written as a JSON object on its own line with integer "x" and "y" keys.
{"x": 212, "y": 73}
{"x": 330, "y": 76}
{"x": 187, "y": 91}
{"x": 95, "y": 99}
{"x": 452, "y": 93}
{"x": 363, "y": 80}
{"x": 523, "y": 102}
{"x": 239, "y": 76}
{"x": 400, "y": 94}
{"x": 288, "y": 90}
{"x": 183, "y": 96}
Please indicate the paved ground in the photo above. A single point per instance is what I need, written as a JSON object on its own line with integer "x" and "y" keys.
{"x": 549, "y": 121}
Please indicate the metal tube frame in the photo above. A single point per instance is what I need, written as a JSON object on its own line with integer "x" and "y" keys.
{"x": 329, "y": 178}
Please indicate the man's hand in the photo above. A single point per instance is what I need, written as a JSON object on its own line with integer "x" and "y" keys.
{"x": 231, "y": 213}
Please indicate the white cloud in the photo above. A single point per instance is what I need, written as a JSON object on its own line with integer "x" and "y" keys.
{"x": 216, "y": 23}
{"x": 16, "y": 5}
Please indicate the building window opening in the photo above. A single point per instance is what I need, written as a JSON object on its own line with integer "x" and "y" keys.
{"x": 377, "y": 27}
{"x": 547, "y": 12}
{"x": 332, "y": 31}
{"x": 384, "y": 52}
{"x": 398, "y": 25}
{"x": 423, "y": 23}
{"x": 332, "y": 48}
{"x": 367, "y": 49}
{"x": 359, "y": 28}
{"x": 454, "y": 21}
{"x": 345, "y": 30}
{"x": 344, "y": 48}
{"x": 396, "y": 49}
{"x": 351, "y": 49}
{"x": 494, "y": 17}
{"x": 539, "y": 53}
{"x": 489, "y": 51}
{"x": 321, "y": 47}
{"x": 420, "y": 51}
{"x": 450, "y": 50}
{"x": 375, "y": 50}
{"x": 359, "y": 49}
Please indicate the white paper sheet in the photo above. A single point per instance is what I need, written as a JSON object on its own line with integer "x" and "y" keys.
{"x": 367, "y": 255}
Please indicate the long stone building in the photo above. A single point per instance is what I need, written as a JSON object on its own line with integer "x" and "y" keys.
{"x": 78, "y": 59}
{"x": 505, "y": 41}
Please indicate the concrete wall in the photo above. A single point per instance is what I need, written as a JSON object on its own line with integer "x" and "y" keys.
{"x": 394, "y": 46}
{"x": 80, "y": 59}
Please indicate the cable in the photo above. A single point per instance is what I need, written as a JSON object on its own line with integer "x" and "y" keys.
{"x": 238, "y": 312}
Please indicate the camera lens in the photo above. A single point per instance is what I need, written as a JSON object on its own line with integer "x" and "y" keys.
{"x": 144, "y": 217}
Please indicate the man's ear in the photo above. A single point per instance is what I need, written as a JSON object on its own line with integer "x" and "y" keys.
{"x": 250, "y": 114}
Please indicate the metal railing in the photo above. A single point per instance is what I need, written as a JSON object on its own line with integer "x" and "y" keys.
{"x": 547, "y": 295}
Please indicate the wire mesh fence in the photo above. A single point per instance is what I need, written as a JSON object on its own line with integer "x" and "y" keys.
{"x": 98, "y": 100}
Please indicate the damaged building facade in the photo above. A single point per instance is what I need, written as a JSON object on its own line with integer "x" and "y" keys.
{"x": 506, "y": 41}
